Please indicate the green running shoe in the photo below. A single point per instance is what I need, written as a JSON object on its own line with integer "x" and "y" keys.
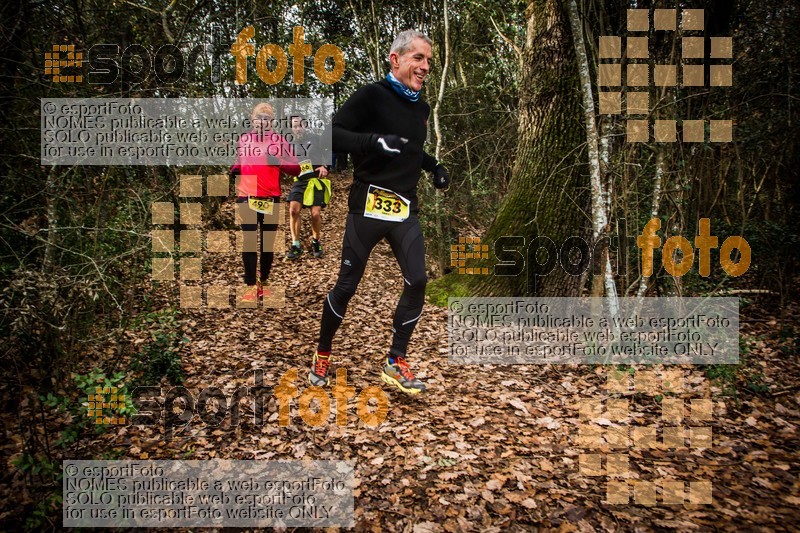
{"x": 295, "y": 251}
{"x": 316, "y": 248}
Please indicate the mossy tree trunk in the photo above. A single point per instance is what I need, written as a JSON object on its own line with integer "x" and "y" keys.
{"x": 547, "y": 196}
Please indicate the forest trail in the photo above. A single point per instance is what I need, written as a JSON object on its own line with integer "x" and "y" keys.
{"x": 486, "y": 447}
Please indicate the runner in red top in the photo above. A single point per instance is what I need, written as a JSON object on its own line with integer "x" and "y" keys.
{"x": 262, "y": 155}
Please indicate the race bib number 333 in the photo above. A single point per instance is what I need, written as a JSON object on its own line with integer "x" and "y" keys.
{"x": 385, "y": 204}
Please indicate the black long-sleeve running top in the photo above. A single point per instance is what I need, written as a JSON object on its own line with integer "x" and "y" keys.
{"x": 377, "y": 109}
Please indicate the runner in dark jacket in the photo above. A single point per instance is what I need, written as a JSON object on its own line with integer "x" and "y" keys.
{"x": 384, "y": 126}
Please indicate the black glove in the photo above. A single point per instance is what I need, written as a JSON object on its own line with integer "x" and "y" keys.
{"x": 390, "y": 145}
{"x": 273, "y": 161}
{"x": 440, "y": 178}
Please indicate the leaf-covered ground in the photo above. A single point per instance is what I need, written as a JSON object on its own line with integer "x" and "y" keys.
{"x": 487, "y": 448}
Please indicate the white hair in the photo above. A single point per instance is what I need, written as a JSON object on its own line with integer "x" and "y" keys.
{"x": 403, "y": 41}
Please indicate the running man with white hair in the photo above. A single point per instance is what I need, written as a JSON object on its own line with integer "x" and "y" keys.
{"x": 383, "y": 126}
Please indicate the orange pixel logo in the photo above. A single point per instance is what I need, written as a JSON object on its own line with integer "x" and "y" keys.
{"x": 640, "y": 74}
{"x": 105, "y": 398}
{"x": 188, "y": 253}
{"x": 469, "y": 248}
{"x": 63, "y": 56}
{"x": 607, "y": 428}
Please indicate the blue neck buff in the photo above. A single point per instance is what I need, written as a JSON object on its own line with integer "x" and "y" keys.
{"x": 402, "y": 90}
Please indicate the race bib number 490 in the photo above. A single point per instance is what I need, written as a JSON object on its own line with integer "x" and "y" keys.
{"x": 384, "y": 204}
{"x": 261, "y": 205}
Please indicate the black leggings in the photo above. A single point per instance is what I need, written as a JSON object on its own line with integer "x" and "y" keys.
{"x": 250, "y": 222}
{"x": 360, "y": 237}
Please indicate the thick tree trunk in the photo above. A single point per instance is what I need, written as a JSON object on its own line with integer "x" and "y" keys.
{"x": 547, "y": 196}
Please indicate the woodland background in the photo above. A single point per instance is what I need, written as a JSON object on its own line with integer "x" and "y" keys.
{"x": 508, "y": 121}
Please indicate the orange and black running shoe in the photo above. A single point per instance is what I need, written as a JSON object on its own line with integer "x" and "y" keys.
{"x": 399, "y": 375}
{"x": 318, "y": 375}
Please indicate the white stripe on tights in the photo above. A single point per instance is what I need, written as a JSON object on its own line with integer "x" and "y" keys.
{"x": 334, "y": 310}
{"x": 412, "y": 320}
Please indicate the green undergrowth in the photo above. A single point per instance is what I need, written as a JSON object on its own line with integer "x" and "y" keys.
{"x": 448, "y": 286}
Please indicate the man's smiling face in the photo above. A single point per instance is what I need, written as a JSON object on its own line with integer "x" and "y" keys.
{"x": 413, "y": 66}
